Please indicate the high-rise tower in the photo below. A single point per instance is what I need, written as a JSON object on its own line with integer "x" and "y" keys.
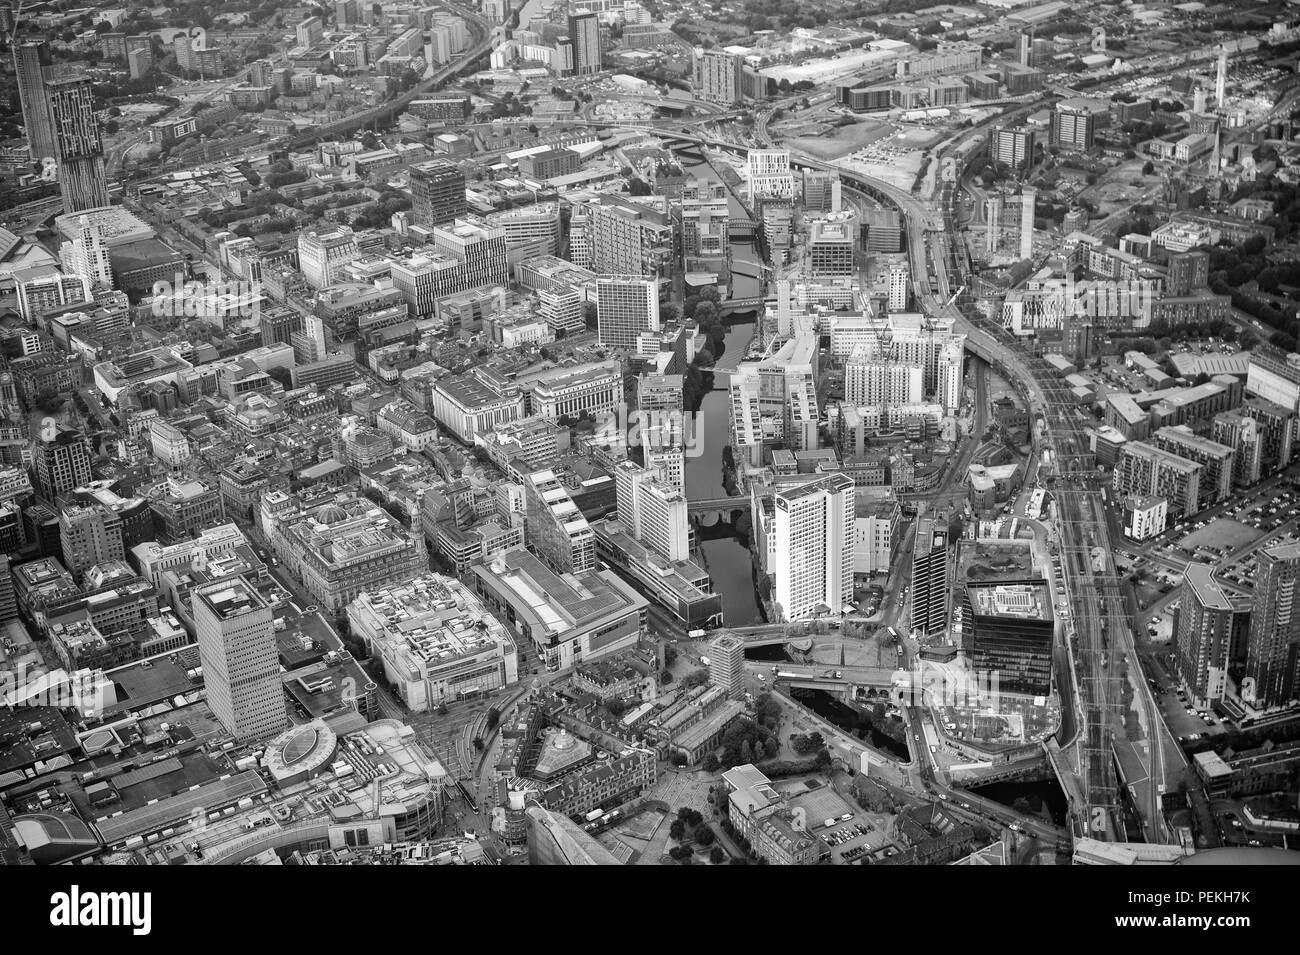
{"x": 1221, "y": 79}
{"x": 78, "y": 146}
{"x": 584, "y": 32}
{"x": 241, "y": 669}
{"x": 31, "y": 63}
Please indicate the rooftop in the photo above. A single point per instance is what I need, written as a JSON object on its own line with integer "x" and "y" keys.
{"x": 558, "y": 603}
{"x": 231, "y": 599}
{"x": 434, "y": 618}
{"x": 337, "y": 534}
{"x": 1026, "y": 601}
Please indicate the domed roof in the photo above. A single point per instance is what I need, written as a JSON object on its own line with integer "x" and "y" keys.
{"x": 331, "y": 514}
{"x": 301, "y": 744}
{"x": 300, "y": 752}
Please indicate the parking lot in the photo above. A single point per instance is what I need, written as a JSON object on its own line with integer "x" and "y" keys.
{"x": 1183, "y": 722}
{"x": 1229, "y": 538}
{"x": 1235, "y": 829}
{"x": 851, "y": 834}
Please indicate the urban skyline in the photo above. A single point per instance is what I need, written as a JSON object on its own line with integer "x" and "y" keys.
{"x": 586, "y": 433}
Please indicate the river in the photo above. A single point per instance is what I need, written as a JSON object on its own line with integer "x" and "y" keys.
{"x": 1043, "y": 799}
{"x": 727, "y": 558}
{"x": 857, "y": 719}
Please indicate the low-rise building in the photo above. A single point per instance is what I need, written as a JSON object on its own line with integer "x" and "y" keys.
{"x": 762, "y": 815}
{"x": 436, "y": 640}
{"x": 567, "y": 618}
{"x": 1144, "y": 516}
{"x": 341, "y": 548}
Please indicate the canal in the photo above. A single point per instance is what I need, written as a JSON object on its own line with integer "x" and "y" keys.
{"x": 859, "y": 720}
{"x": 727, "y": 558}
{"x": 1042, "y": 798}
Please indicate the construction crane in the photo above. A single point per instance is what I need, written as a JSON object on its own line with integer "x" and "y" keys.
{"x": 885, "y": 349}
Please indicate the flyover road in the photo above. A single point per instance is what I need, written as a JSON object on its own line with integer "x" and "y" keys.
{"x": 962, "y": 802}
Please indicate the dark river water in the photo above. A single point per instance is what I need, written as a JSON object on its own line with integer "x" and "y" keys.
{"x": 727, "y": 558}
{"x": 1043, "y": 798}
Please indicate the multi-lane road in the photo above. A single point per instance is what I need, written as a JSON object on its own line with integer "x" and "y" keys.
{"x": 1104, "y": 652}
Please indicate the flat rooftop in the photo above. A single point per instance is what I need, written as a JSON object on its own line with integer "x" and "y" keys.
{"x": 436, "y": 618}
{"x": 1023, "y": 601}
{"x": 1208, "y": 592}
{"x": 833, "y": 483}
{"x": 203, "y": 798}
{"x": 558, "y": 602}
{"x": 232, "y": 599}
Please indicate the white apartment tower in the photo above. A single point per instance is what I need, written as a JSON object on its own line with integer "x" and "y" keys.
{"x": 813, "y": 543}
{"x": 1221, "y": 79}
{"x": 87, "y": 256}
{"x": 1028, "y": 197}
{"x": 626, "y": 306}
{"x": 908, "y": 338}
{"x": 876, "y": 382}
{"x": 767, "y": 172}
{"x": 654, "y": 512}
{"x": 561, "y": 309}
{"x": 900, "y": 276}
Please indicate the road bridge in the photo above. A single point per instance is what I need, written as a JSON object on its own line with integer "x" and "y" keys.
{"x": 741, "y": 304}
{"x": 1103, "y": 654}
{"x": 733, "y": 503}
